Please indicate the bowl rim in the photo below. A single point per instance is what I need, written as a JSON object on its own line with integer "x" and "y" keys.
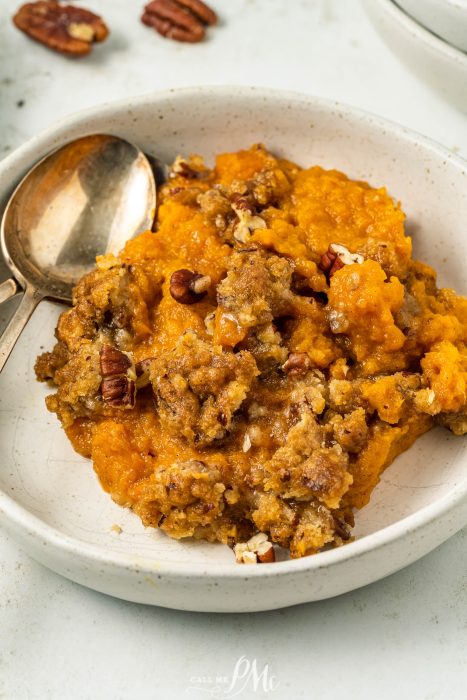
{"x": 454, "y": 4}
{"x": 433, "y": 42}
{"x": 31, "y": 526}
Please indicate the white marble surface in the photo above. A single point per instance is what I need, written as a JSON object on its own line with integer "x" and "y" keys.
{"x": 403, "y": 637}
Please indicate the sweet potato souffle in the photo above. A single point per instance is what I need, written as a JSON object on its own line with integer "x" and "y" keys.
{"x": 246, "y": 372}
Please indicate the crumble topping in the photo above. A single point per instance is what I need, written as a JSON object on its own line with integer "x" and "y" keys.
{"x": 247, "y": 372}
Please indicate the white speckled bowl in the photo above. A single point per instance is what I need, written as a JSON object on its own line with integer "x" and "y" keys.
{"x": 50, "y": 499}
{"x": 439, "y": 64}
{"x": 445, "y": 18}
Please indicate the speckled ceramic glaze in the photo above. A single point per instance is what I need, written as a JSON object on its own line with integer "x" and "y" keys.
{"x": 441, "y": 65}
{"x": 50, "y": 499}
{"x": 445, "y": 18}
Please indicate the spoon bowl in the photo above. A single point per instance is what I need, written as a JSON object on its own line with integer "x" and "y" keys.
{"x": 82, "y": 200}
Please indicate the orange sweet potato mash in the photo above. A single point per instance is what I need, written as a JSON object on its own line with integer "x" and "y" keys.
{"x": 255, "y": 363}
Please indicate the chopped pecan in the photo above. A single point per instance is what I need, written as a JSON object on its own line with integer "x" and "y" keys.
{"x": 113, "y": 361}
{"x": 181, "y": 20}
{"x": 188, "y": 287}
{"x": 143, "y": 366}
{"x": 63, "y": 28}
{"x": 175, "y": 190}
{"x": 336, "y": 257}
{"x": 265, "y": 553}
{"x": 246, "y": 443}
{"x": 119, "y": 391}
{"x": 242, "y": 202}
{"x": 142, "y": 372}
{"x": 210, "y": 323}
{"x": 258, "y": 549}
{"x": 296, "y": 364}
{"x": 341, "y": 529}
{"x": 330, "y": 263}
{"x": 182, "y": 167}
{"x": 248, "y": 220}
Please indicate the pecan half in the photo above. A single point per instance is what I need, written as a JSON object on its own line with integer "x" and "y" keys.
{"x": 188, "y": 287}
{"x": 119, "y": 391}
{"x": 113, "y": 361}
{"x": 63, "y": 28}
{"x": 181, "y": 20}
{"x": 118, "y": 386}
{"x": 297, "y": 363}
{"x": 336, "y": 257}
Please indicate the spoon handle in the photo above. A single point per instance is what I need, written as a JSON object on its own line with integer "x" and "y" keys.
{"x": 8, "y": 289}
{"x": 21, "y": 316}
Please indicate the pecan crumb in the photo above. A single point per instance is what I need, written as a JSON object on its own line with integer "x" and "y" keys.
{"x": 248, "y": 220}
{"x": 188, "y": 287}
{"x": 258, "y": 549}
{"x": 265, "y": 553}
{"x": 336, "y": 257}
{"x": 142, "y": 372}
{"x": 181, "y": 20}
{"x": 246, "y": 443}
{"x": 241, "y": 202}
{"x": 297, "y": 363}
{"x": 210, "y": 323}
{"x": 143, "y": 366}
{"x": 341, "y": 529}
{"x": 182, "y": 167}
{"x": 63, "y": 28}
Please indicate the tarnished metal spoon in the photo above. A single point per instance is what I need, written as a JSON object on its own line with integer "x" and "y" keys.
{"x": 82, "y": 200}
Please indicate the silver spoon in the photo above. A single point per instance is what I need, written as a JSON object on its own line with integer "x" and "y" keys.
{"x": 82, "y": 200}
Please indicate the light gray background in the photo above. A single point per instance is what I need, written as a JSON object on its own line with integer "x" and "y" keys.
{"x": 404, "y": 637}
